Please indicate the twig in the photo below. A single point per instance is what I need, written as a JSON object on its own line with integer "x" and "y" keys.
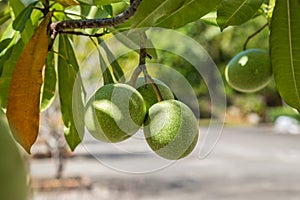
{"x": 135, "y": 75}
{"x": 143, "y": 55}
{"x": 254, "y": 34}
{"x": 143, "y": 50}
{"x": 154, "y": 86}
{"x": 142, "y": 63}
{"x": 83, "y": 34}
{"x": 142, "y": 68}
{"x": 60, "y": 26}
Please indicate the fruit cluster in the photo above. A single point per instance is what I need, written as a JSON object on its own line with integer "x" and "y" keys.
{"x": 116, "y": 111}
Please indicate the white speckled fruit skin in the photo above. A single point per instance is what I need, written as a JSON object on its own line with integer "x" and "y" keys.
{"x": 249, "y": 70}
{"x": 171, "y": 129}
{"x": 149, "y": 94}
{"x": 115, "y": 112}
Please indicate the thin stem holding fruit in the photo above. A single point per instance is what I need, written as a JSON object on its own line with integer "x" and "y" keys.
{"x": 154, "y": 86}
{"x": 143, "y": 55}
{"x": 135, "y": 75}
{"x": 254, "y": 34}
{"x": 83, "y": 34}
{"x": 142, "y": 63}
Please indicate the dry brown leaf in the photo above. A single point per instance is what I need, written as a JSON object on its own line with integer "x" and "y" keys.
{"x": 23, "y": 107}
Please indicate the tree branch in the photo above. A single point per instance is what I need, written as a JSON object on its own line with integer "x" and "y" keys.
{"x": 58, "y": 27}
{"x": 142, "y": 68}
{"x": 142, "y": 62}
{"x": 83, "y": 34}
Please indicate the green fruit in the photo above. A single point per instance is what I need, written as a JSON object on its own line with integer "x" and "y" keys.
{"x": 171, "y": 129}
{"x": 149, "y": 94}
{"x": 115, "y": 112}
{"x": 12, "y": 171}
{"x": 249, "y": 71}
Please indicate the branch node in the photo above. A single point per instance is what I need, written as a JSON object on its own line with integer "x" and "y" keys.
{"x": 60, "y": 26}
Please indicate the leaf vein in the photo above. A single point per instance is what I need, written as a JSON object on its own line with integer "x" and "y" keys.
{"x": 234, "y": 13}
{"x": 177, "y": 11}
{"x": 149, "y": 16}
{"x": 291, "y": 49}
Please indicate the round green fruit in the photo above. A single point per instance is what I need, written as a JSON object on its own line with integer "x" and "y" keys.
{"x": 13, "y": 184}
{"x": 171, "y": 129}
{"x": 249, "y": 71}
{"x": 148, "y": 93}
{"x": 115, "y": 112}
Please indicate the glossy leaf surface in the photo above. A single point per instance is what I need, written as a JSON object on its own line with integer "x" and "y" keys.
{"x": 285, "y": 50}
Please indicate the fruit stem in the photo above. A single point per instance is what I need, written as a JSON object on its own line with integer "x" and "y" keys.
{"x": 154, "y": 86}
{"x": 134, "y": 76}
{"x": 254, "y": 34}
{"x": 142, "y": 62}
{"x": 143, "y": 55}
{"x": 142, "y": 67}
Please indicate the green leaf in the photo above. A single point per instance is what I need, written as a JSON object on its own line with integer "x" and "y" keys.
{"x": 20, "y": 22}
{"x": 190, "y": 11}
{"x": 9, "y": 32}
{"x": 120, "y": 7}
{"x": 4, "y": 55}
{"x": 236, "y": 12}
{"x": 17, "y": 7}
{"x": 105, "y": 2}
{"x": 171, "y": 13}
{"x": 107, "y": 76}
{"x": 89, "y": 2}
{"x": 210, "y": 19}
{"x": 4, "y": 44}
{"x": 116, "y": 68}
{"x": 285, "y": 51}
{"x": 150, "y": 12}
{"x": 85, "y": 9}
{"x": 67, "y": 72}
{"x": 101, "y": 13}
{"x": 3, "y": 59}
{"x": 49, "y": 86}
{"x": 131, "y": 40}
{"x": 8, "y": 62}
{"x": 13, "y": 173}
{"x": 4, "y": 16}
{"x": 109, "y": 9}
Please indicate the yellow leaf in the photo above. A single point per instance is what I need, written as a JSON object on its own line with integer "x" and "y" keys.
{"x": 23, "y": 107}
{"x": 67, "y": 3}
